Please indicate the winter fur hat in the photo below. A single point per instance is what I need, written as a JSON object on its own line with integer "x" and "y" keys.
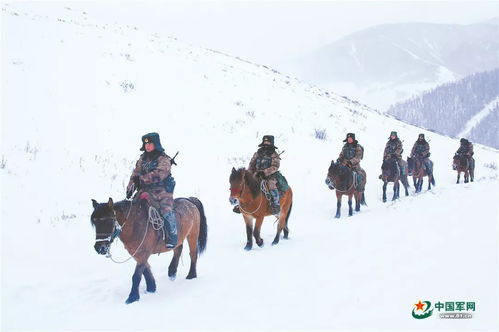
{"x": 152, "y": 138}
{"x": 352, "y": 135}
{"x": 267, "y": 138}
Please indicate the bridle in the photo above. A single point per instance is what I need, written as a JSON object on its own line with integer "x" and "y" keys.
{"x": 109, "y": 237}
{"x": 330, "y": 182}
{"x": 243, "y": 186}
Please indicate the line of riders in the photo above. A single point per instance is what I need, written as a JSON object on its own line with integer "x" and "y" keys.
{"x": 152, "y": 180}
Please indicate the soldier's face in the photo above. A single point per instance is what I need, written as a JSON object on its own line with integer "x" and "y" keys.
{"x": 149, "y": 147}
{"x": 393, "y": 137}
{"x": 350, "y": 140}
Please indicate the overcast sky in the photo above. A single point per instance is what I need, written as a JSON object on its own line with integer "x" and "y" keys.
{"x": 268, "y": 32}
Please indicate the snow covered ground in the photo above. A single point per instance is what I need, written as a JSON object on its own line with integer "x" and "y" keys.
{"x": 76, "y": 97}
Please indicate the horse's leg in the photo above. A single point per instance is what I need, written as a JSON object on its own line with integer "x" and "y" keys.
{"x": 472, "y": 174}
{"x": 466, "y": 176}
{"x": 192, "y": 239}
{"x": 429, "y": 182}
{"x": 249, "y": 232}
{"x": 280, "y": 227}
{"x": 150, "y": 282}
{"x": 256, "y": 231}
{"x": 358, "y": 198}
{"x": 384, "y": 190}
{"x": 350, "y": 210}
{"x": 458, "y": 176}
{"x": 395, "y": 190}
{"x": 137, "y": 276}
{"x": 415, "y": 180}
{"x": 338, "y": 205}
{"x": 172, "y": 268}
{"x": 406, "y": 184}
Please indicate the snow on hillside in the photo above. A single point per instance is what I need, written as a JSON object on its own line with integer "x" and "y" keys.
{"x": 77, "y": 96}
{"x": 388, "y": 63}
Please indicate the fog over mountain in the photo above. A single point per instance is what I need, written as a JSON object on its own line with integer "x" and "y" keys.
{"x": 389, "y": 63}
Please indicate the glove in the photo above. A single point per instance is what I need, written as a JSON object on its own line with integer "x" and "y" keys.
{"x": 260, "y": 174}
{"x": 348, "y": 163}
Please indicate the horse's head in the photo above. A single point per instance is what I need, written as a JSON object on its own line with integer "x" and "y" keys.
{"x": 411, "y": 164}
{"x": 459, "y": 161}
{"x": 104, "y": 220}
{"x": 236, "y": 181}
{"x": 336, "y": 173}
{"x": 389, "y": 167}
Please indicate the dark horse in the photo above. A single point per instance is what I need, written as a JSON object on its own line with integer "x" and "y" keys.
{"x": 130, "y": 220}
{"x": 245, "y": 190}
{"x": 461, "y": 163}
{"x": 391, "y": 172}
{"x": 418, "y": 171}
{"x": 341, "y": 178}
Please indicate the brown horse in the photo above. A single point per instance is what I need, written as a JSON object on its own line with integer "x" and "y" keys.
{"x": 391, "y": 172}
{"x": 418, "y": 171}
{"x": 245, "y": 190}
{"x": 130, "y": 220}
{"x": 342, "y": 179}
{"x": 460, "y": 164}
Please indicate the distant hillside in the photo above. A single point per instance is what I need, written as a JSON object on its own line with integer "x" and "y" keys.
{"x": 389, "y": 63}
{"x": 468, "y": 108}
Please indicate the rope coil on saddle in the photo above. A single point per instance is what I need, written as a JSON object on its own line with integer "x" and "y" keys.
{"x": 152, "y": 218}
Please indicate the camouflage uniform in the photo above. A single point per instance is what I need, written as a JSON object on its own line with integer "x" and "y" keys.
{"x": 351, "y": 154}
{"x": 152, "y": 174}
{"x": 394, "y": 147}
{"x": 266, "y": 162}
{"x": 152, "y": 169}
{"x": 466, "y": 149}
{"x": 421, "y": 151}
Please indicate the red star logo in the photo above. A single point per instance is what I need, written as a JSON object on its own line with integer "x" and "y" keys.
{"x": 420, "y": 305}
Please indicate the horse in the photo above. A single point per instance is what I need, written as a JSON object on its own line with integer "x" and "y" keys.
{"x": 460, "y": 164}
{"x": 418, "y": 171}
{"x": 130, "y": 221}
{"x": 341, "y": 178}
{"x": 391, "y": 172}
{"x": 246, "y": 190}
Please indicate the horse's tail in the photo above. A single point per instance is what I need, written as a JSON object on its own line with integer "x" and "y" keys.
{"x": 289, "y": 213}
{"x": 203, "y": 226}
{"x": 363, "y": 199}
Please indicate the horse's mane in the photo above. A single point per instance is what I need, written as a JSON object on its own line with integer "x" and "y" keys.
{"x": 248, "y": 180}
{"x": 122, "y": 206}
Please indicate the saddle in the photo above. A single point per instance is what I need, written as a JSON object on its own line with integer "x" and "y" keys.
{"x": 282, "y": 183}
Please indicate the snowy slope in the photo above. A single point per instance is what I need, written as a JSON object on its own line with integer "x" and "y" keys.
{"x": 77, "y": 96}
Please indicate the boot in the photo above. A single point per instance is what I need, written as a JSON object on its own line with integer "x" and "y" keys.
{"x": 274, "y": 204}
{"x": 171, "y": 226}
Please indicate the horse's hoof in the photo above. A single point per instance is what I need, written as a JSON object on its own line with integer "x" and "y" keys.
{"x": 132, "y": 299}
{"x": 172, "y": 277}
{"x": 275, "y": 242}
{"x": 151, "y": 290}
{"x": 248, "y": 247}
{"x": 337, "y": 216}
{"x": 285, "y": 237}
{"x": 260, "y": 244}
{"x": 384, "y": 200}
{"x": 191, "y": 276}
